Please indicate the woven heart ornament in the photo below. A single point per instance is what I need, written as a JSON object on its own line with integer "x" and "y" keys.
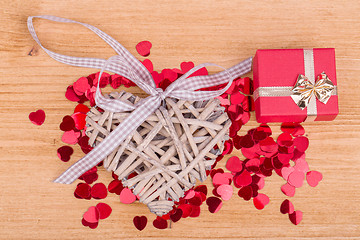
{"x": 167, "y": 138}
{"x": 169, "y": 151}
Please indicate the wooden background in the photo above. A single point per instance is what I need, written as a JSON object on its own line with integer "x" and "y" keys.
{"x": 222, "y": 32}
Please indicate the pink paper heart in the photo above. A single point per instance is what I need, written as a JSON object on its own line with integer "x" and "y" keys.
{"x": 126, "y": 196}
{"x": 70, "y": 137}
{"x": 296, "y": 178}
{"x": 301, "y": 165}
{"x": 288, "y": 190}
{"x": 91, "y": 215}
{"x": 225, "y": 191}
{"x": 313, "y": 178}
{"x": 285, "y": 172}
{"x": 221, "y": 178}
{"x": 37, "y": 117}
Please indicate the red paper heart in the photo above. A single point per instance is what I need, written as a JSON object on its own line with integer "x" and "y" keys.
{"x": 79, "y": 119}
{"x": 81, "y": 108}
{"x": 81, "y": 85}
{"x": 91, "y": 215}
{"x": 83, "y": 191}
{"x": 286, "y": 207}
{"x": 71, "y": 95}
{"x": 99, "y": 191}
{"x": 285, "y": 140}
{"x": 268, "y": 145}
{"x": 148, "y": 64}
{"x": 37, "y": 117}
{"x": 195, "y": 211}
{"x": 64, "y": 153}
{"x": 140, "y": 222}
{"x": 186, "y": 66}
{"x": 115, "y": 187}
{"x": 214, "y": 204}
{"x": 126, "y": 196}
{"x": 301, "y": 143}
{"x": 296, "y": 217}
{"x": 169, "y": 74}
{"x": 104, "y": 210}
{"x": 67, "y": 123}
{"x": 234, "y": 164}
{"x": 116, "y": 81}
{"x": 160, "y": 223}
{"x": 186, "y": 210}
{"x": 201, "y": 188}
{"x": 313, "y": 178}
{"x": 235, "y": 112}
{"x": 196, "y": 200}
{"x": 246, "y": 192}
{"x": 261, "y": 201}
{"x": 90, "y": 225}
{"x": 143, "y": 48}
{"x": 177, "y": 215}
{"x": 243, "y": 179}
{"x": 237, "y": 98}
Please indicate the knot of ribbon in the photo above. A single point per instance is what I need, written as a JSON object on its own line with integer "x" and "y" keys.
{"x": 305, "y": 89}
{"x": 125, "y": 64}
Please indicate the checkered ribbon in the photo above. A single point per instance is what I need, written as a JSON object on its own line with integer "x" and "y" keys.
{"x": 127, "y": 65}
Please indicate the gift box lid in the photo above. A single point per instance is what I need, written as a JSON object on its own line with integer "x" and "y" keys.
{"x": 281, "y": 68}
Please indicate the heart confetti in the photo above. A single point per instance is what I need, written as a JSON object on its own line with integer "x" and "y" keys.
{"x": 64, "y": 153}
{"x": 234, "y": 164}
{"x": 104, "y": 210}
{"x": 143, "y": 48}
{"x": 214, "y": 204}
{"x": 263, "y": 156}
{"x": 140, "y": 222}
{"x": 313, "y": 178}
{"x": 38, "y": 117}
{"x": 286, "y": 207}
{"x": 67, "y": 123}
{"x": 99, "y": 191}
{"x": 91, "y": 215}
{"x": 160, "y": 223}
{"x": 261, "y": 201}
{"x": 296, "y": 217}
{"x": 126, "y": 196}
{"x": 225, "y": 191}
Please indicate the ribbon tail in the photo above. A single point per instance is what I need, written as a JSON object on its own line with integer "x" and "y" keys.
{"x": 113, "y": 140}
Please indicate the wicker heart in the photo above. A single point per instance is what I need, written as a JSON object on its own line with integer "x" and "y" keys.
{"x": 169, "y": 151}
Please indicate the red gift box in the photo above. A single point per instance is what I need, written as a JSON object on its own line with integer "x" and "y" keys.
{"x": 276, "y": 72}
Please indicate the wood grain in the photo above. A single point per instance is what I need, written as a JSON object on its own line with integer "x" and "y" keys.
{"x": 222, "y": 32}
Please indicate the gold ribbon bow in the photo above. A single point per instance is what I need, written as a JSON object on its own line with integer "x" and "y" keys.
{"x": 304, "y": 90}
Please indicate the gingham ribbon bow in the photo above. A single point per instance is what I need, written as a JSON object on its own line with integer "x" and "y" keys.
{"x": 128, "y": 66}
{"x": 304, "y": 90}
